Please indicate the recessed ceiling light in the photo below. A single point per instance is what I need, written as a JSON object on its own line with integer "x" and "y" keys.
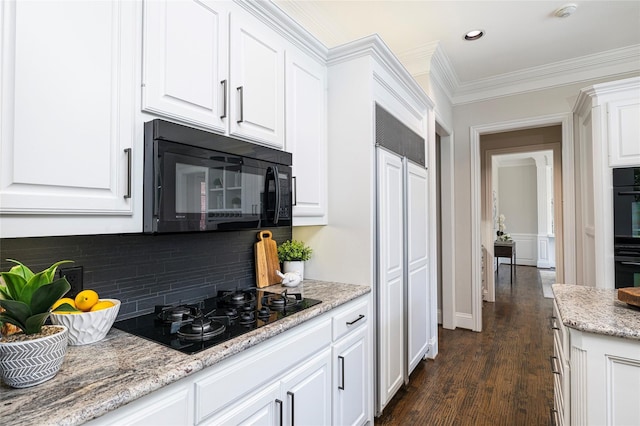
{"x": 473, "y": 35}
{"x": 566, "y": 10}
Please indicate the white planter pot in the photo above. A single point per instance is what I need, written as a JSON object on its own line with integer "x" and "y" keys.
{"x": 31, "y": 362}
{"x": 294, "y": 266}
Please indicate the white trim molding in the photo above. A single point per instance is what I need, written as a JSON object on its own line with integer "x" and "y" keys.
{"x": 566, "y": 271}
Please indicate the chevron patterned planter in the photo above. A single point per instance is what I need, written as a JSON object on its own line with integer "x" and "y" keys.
{"x": 31, "y": 362}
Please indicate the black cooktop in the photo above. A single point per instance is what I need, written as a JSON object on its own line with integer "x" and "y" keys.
{"x": 191, "y": 328}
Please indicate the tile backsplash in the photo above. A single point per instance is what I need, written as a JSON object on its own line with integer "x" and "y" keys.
{"x": 147, "y": 270}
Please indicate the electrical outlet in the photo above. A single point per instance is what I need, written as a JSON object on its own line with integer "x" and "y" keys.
{"x": 74, "y": 276}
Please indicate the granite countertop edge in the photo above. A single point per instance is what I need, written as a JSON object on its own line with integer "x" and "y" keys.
{"x": 84, "y": 390}
{"x": 597, "y": 311}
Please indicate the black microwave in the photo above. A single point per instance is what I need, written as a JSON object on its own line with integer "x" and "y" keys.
{"x": 201, "y": 181}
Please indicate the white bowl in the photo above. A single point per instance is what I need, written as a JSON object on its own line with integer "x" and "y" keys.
{"x": 88, "y": 327}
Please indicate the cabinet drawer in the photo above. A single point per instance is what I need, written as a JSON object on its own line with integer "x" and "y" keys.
{"x": 559, "y": 329}
{"x": 350, "y": 319}
{"x": 235, "y": 377}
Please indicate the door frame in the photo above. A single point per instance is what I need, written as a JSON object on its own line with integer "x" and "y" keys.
{"x": 489, "y": 185}
{"x": 567, "y": 255}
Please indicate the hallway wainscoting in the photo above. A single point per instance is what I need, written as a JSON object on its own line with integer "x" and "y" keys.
{"x": 501, "y": 376}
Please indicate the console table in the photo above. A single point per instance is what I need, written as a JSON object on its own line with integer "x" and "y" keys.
{"x": 505, "y": 249}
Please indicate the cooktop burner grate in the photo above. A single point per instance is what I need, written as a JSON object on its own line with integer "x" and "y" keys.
{"x": 191, "y": 328}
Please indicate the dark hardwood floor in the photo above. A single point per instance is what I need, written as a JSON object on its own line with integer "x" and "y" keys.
{"x": 501, "y": 376}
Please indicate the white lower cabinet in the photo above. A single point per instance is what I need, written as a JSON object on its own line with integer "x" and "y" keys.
{"x": 301, "y": 397}
{"x": 351, "y": 375}
{"x": 317, "y": 373}
{"x": 352, "y": 394}
{"x": 560, "y": 368}
{"x": 261, "y": 408}
{"x": 596, "y": 378}
{"x": 306, "y": 392}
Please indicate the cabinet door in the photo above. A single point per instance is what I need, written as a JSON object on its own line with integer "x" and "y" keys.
{"x": 306, "y": 137}
{"x": 263, "y": 407}
{"x": 68, "y": 104}
{"x": 257, "y": 81}
{"x": 171, "y": 405}
{"x": 351, "y": 379}
{"x": 624, "y": 131}
{"x": 185, "y": 61}
{"x": 391, "y": 349}
{"x": 418, "y": 265}
{"x": 307, "y": 392}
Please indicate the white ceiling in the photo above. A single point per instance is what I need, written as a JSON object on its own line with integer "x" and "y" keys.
{"x": 522, "y": 38}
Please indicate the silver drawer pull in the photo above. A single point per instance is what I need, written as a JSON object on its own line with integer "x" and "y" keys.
{"x": 552, "y": 320}
{"x": 553, "y": 364}
{"x": 355, "y": 320}
{"x": 279, "y": 402}
{"x": 127, "y": 151}
{"x": 223, "y": 83}
{"x": 341, "y": 359}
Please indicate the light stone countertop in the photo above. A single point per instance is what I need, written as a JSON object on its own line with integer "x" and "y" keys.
{"x": 100, "y": 377}
{"x": 596, "y": 311}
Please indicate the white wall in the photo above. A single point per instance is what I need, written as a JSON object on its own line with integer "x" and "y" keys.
{"x": 541, "y": 103}
{"x": 517, "y": 198}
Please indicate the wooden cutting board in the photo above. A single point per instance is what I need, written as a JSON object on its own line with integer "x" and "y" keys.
{"x": 630, "y": 295}
{"x": 267, "y": 263}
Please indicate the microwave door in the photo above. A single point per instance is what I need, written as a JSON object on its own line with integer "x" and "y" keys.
{"x": 205, "y": 194}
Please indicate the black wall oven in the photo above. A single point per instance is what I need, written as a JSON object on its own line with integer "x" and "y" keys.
{"x": 200, "y": 181}
{"x": 626, "y": 224}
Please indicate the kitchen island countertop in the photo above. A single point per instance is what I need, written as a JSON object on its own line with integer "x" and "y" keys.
{"x": 597, "y": 311}
{"x": 98, "y": 378}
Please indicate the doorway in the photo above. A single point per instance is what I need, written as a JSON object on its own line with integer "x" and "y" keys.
{"x": 519, "y": 187}
{"x": 565, "y": 236}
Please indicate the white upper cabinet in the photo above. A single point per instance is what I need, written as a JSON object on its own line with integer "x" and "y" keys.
{"x": 256, "y": 93}
{"x": 214, "y": 65}
{"x": 185, "y": 61}
{"x": 68, "y": 77}
{"x": 624, "y": 129}
{"x": 306, "y": 137}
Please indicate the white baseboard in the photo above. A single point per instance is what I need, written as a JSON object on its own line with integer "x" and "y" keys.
{"x": 464, "y": 320}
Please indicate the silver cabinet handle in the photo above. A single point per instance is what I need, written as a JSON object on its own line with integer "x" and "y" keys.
{"x": 553, "y": 414}
{"x": 224, "y": 98}
{"x": 355, "y": 320}
{"x": 552, "y": 320}
{"x": 295, "y": 190}
{"x": 240, "y": 91}
{"x": 127, "y": 151}
{"x": 341, "y": 385}
{"x": 553, "y": 364}
{"x": 280, "y": 405}
{"x": 291, "y": 395}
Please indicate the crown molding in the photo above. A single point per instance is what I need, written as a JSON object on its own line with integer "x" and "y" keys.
{"x": 592, "y": 95}
{"x": 431, "y": 59}
{"x": 613, "y": 63}
{"x": 315, "y": 19}
{"x": 270, "y": 14}
{"x": 374, "y": 46}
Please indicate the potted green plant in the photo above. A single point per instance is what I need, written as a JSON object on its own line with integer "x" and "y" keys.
{"x": 35, "y": 353}
{"x": 292, "y": 254}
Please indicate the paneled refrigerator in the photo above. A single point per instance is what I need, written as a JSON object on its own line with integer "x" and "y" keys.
{"x": 402, "y": 290}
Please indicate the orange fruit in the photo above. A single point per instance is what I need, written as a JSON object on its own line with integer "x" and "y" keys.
{"x": 102, "y": 304}
{"x": 86, "y": 299}
{"x": 68, "y": 300}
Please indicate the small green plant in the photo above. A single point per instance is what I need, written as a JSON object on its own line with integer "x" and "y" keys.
{"x": 27, "y": 298}
{"x": 292, "y": 250}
